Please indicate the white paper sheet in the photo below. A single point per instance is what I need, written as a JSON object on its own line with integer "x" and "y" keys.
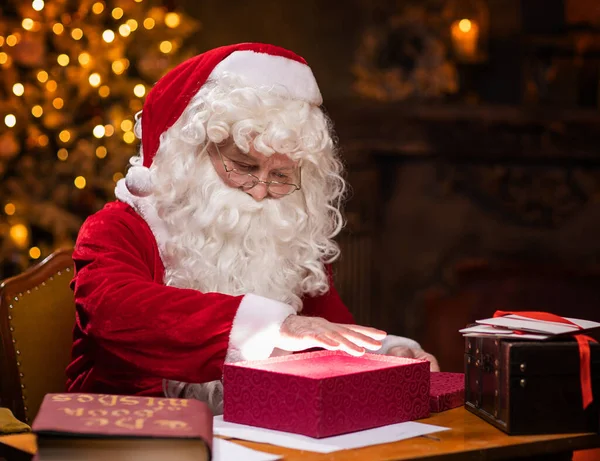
{"x": 385, "y": 434}
{"x": 489, "y": 330}
{"x": 528, "y": 325}
{"x": 229, "y": 451}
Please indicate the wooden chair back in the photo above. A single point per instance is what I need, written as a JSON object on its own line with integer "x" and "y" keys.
{"x": 37, "y": 315}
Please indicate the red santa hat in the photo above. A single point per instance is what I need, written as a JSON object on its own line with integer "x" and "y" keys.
{"x": 258, "y": 64}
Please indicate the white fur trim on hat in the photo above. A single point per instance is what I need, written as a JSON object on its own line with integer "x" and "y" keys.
{"x": 138, "y": 181}
{"x": 261, "y": 69}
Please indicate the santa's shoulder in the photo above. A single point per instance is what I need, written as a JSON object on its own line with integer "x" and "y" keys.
{"x": 116, "y": 217}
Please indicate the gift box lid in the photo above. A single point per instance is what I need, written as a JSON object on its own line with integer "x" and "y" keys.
{"x": 325, "y": 364}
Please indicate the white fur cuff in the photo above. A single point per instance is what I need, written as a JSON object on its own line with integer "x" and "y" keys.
{"x": 255, "y": 329}
{"x": 391, "y": 341}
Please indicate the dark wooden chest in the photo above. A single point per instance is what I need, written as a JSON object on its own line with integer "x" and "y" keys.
{"x": 526, "y": 387}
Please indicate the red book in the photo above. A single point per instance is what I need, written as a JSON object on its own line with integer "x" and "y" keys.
{"x": 447, "y": 391}
{"x": 100, "y": 426}
{"x": 321, "y": 394}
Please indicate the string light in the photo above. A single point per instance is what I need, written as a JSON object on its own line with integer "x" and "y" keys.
{"x": 139, "y": 90}
{"x": 11, "y": 40}
{"x": 43, "y": 140}
{"x": 109, "y": 130}
{"x": 124, "y": 30}
{"x": 117, "y": 13}
{"x": 58, "y": 103}
{"x": 3, "y": 58}
{"x": 129, "y": 137}
{"x": 27, "y": 23}
{"x": 18, "y": 89}
{"x": 58, "y": 28}
{"x": 42, "y": 76}
{"x": 149, "y": 23}
{"x": 104, "y": 91}
{"x": 62, "y": 154}
{"x": 10, "y": 209}
{"x": 132, "y": 23}
{"x": 166, "y": 46}
{"x": 98, "y": 131}
{"x": 19, "y": 234}
{"x": 51, "y": 86}
{"x": 84, "y": 59}
{"x": 117, "y": 176}
{"x": 37, "y": 5}
{"x": 118, "y": 67}
{"x": 63, "y": 60}
{"x": 126, "y": 125}
{"x": 64, "y": 136}
{"x": 77, "y": 33}
{"x": 10, "y": 120}
{"x": 101, "y": 152}
{"x": 98, "y": 7}
{"x": 79, "y": 182}
{"x": 108, "y": 36}
{"x": 172, "y": 20}
{"x": 35, "y": 253}
{"x": 95, "y": 79}
{"x": 37, "y": 111}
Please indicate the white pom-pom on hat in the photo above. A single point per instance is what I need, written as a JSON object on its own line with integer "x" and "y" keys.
{"x": 138, "y": 181}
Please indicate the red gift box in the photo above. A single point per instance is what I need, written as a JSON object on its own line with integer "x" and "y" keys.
{"x": 447, "y": 390}
{"x": 321, "y": 394}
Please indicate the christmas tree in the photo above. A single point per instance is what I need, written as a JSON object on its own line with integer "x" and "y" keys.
{"x": 72, "y": 76}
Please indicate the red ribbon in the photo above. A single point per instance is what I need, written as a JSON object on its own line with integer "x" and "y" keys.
{"x": 583, "y": 341}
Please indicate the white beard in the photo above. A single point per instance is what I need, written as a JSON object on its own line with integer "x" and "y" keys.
{"x": 221, "y": 240}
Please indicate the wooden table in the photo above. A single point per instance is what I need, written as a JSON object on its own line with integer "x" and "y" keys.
{"x": 470, "y": 438}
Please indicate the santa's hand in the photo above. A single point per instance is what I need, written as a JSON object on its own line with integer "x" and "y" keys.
{"x": 401, "y": 351}
{"x": 298, "y": 333}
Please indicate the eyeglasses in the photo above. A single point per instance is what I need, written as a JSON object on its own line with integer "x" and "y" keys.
{"x": 247, "y": 181}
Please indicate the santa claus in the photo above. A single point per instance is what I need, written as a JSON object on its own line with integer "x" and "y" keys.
{"x": 220, "y": 243}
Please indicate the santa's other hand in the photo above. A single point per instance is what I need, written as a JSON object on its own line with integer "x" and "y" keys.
{"x": 401, "y": 351}
{"x": 298, "y": 333}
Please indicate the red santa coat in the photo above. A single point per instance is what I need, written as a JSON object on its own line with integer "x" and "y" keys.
{"x": 132, "y": 330}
